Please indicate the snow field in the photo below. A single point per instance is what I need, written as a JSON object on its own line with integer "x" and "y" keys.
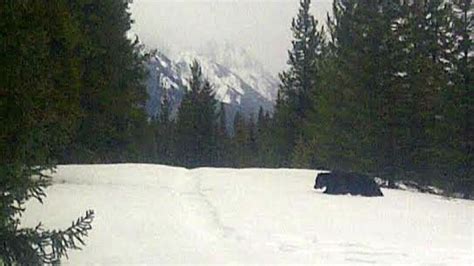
{"x": 153, "y": 214}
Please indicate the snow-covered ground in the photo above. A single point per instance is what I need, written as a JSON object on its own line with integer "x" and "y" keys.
{"x": 152, "y": 214}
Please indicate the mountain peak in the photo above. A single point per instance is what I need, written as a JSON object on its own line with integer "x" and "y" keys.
{"x": 240, "y": 61}
{"x": 238, "y": 80}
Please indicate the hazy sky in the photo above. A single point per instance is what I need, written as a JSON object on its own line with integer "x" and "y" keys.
{"x": 260, "y": 26}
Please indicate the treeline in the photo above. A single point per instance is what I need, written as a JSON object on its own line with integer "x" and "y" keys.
{"x": 198, "y": 135}
{"x": 384, "y": 88}
{"x": 71, "y": 90}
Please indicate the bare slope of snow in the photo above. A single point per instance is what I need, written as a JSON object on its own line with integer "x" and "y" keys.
{"x": 157, "y": 214}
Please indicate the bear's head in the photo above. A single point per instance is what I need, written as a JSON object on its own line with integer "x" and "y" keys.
{"x": 321, "y": 180}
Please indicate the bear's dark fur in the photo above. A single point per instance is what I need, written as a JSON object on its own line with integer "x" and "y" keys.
{"x": 337, "y": 183}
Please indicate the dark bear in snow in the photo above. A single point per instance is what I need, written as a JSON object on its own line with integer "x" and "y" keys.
{"x": 337, "y": 183}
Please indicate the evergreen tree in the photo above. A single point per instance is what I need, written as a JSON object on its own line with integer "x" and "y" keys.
{"x": 38, "y": 110}
{"x": 357, "y": 73}
{"x": 196, "y": 122}
{"x": 464, "y": 28}
{"x": 240, "y": 141}
{"x": 424, "y": 34}
{"x": 207, "y": 123}
{"x": 301, "y": 156}
{"x": 300, "y": 80}
{"x": 455, "y": 160}
{"x": 283, "y": 134}
{"x": 165, "y": 131}
{"x": 222, "y": 139}
{"x": 252, "y": 152}
{"x": 112, "y": 95}
{"x": 265, "y": 140}
{"x": 165, "y": 109}
{"x": 261, "y": 127}
{"x": 222, "y": 126}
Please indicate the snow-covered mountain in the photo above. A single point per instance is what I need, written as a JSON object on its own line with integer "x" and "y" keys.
{"x": 238, "y": 80}
{"x": 163, "y": 76}
{"x": 244, "y": 64}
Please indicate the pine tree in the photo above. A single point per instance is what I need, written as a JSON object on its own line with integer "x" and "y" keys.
{"x": 390, "y": 108}
{"x": 207, "y": 123}
{"x": 222, "y": 139}
{"x": 222, "y": 126}
{"x": 300, "y": 81}
{"x": 165, "y": 109}
{"x": 252, "y": 159}
{"x": 240, "y": 142}
{"x": 455, "y": 160}
{"x": 261, "y": 127}
{"x": 302, "y": 155}
{"x": 164, "y": 128}
{"x": 356, "y": 76}
{"x": 38, "y": 110}
{"x": 424, "y": 31}
{"x": 464, "y": 28}
{"x": 196, "y": 122}
{"x": 283, "y": 133}
{"x": 112, "y": 95}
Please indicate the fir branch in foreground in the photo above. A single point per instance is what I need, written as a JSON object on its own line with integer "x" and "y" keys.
{"x": 52, "y": 245}
{"x": 38, "y": 246}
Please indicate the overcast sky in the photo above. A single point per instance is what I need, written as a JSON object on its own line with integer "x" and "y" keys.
{"x": 260, "y": 26}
